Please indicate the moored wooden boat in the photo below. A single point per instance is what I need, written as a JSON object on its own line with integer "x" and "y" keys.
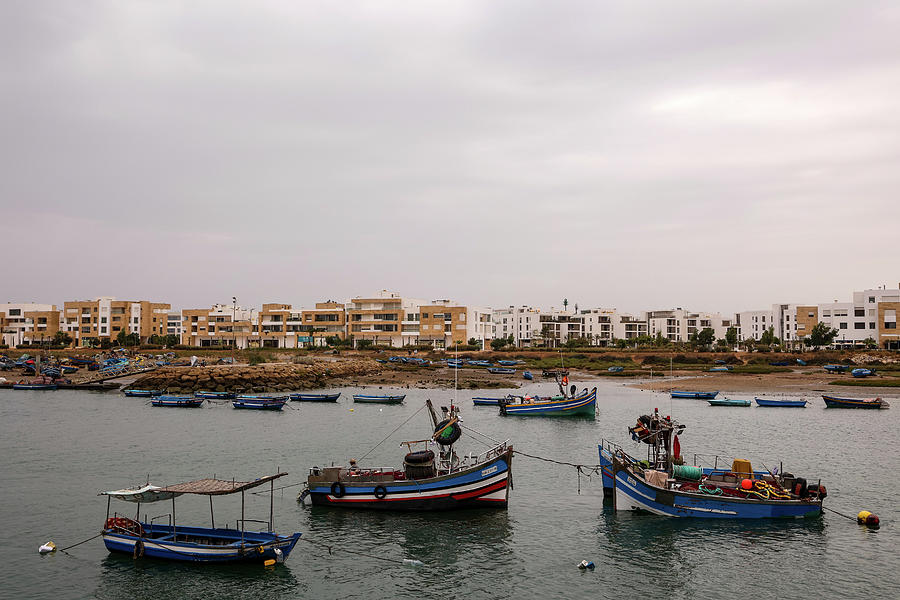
{"x": 729, "y": 402}
{"x": 177, "y": 401}
{"x": 142, "y": 393}
{"x": 782, "y": 403}
{"x": 616, "y": 369}
{"x": 583, "y": 404}
{"x": 527, "y": 375}
{"x": 260, "y": 402}
{"x": 316, "y": 397}
{"x": 836, "y": 368}
{"x": 430, "y": 479}
{"x": 501, "y": 370}
{"x": 507, "y": 363}
{"x": 208, "y": 395}
{"x": 719, "y": 369}
{"x": 660, "y": 486}
{"x": 487, "y": 401}
{"x": 694, "y": 395}
{"x": 34, "y": 386}
{"x": 862, "y": 372}
{"x": 372, "y": 399}
{"x": 194, "y": 544}
{"x": 835, "y": 402}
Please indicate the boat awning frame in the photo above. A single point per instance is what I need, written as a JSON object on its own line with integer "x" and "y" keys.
{"x": 205, "y": 487}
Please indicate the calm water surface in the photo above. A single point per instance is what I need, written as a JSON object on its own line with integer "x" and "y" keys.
{"x": 60, "y": 448}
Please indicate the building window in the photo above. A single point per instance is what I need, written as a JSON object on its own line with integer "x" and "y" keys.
{"x": 859, "y": 325}
{"x": 859, "y": 312}
{"x": 843, "y": 326}
{"x": 872, "y": 325}
{"x": 810, "y": 314}
{"x": 871, "y": 299}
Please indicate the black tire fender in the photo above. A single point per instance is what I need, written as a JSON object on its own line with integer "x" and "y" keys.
{"x": 380, "y": 492}
{"x": 338, "y": 489}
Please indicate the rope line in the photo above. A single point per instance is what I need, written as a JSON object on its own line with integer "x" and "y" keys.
{"x": 366, "y": 554}
{"x": 839, "y": 513}
{"x": 393, "y": 432}
{"x": 586, "y": 470}
{"x": 81, "y": 542}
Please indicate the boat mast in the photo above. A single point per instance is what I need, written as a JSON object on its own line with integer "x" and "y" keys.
{"x": 434, "y": 419}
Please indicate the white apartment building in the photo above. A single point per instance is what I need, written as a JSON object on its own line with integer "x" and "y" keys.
{"x": 752, "y": 324}
{"x": 560, "y": 326}
{"x": 388, "y": 319}
{"x": 678, "y": 324}
{"x": 603, "y": 326}
{"x": 523, "y": 323}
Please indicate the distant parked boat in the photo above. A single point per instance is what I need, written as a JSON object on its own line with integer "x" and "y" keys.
{"x": 862, "y": 372}
{"x": 501, "y": 370}
{"x": 784, "y": 403}
{"x": 479, "y": 363}
{"x": 260, "y": 402}
{"x": 729, "y": 402}
{"x": 694, "y": 395}
{"x": 487, "y": 401}
{"x": 801, "y": 362}
{"x": 177, "y": 401}
{"x": 527, "y": 375}
{"x": 555, "y": 373}
{"x": 142, "y": 393}
{"x": 316, "y": 397}
{"x": 583, "y": 404}
{"x": 214, "y": 395}
{"x": 719, "y": 369}
{"x": 616, "y": 369}
{"x": 836, "y": 368}
{"x": 34, "y": 386}
{"x": 834, "y": 402}
{"x": 779, "y": 363}
{"x": 507, "y": 363}
{"x": 378, "y": 399}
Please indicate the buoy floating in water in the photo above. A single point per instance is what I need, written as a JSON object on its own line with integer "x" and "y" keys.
{"x": 868, "y": 519}
{"x": 586, "y": 564}
{"x": 47, "y": 548}
{"x": 269, "y": 562}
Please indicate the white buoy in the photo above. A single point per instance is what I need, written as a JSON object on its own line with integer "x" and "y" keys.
{"x": 279, "y": 555}
{"x": 47, "y": 548}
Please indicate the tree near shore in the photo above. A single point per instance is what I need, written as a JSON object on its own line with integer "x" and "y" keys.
{"x": 820, "y": 335}
{"x": 61, "y": 338}
{"x": 731, "y": 337}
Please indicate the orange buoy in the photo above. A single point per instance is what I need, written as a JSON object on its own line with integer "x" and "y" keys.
{"x": 746, "y": 484}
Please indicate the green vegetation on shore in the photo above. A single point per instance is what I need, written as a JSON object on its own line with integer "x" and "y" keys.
{"x": 867, "y": 382}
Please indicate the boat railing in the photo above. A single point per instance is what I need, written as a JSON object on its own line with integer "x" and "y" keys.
{"x": 263, "y": 521}
{"x": 150, "y": 522}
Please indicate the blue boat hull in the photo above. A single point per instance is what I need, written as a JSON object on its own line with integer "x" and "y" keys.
{"x": 259, "y": 404}
{"x": 527, "y": 375}
{"x": 581, "y": 405}
{"x": 177, "y": 402}
{"x": 315, "y": 397}
{"x": 215, "y": 395}
{"x": 378, "y": 399}
{"x": 633, "y": 494}
{"x": 487, "y": 401}
{"x": 142, "y": 393}
{"x": 695, "y": 395}
{"x": 782, "y": 403}
{"x": 727, "y": 402}
{"x": 34, "y": 386}
{"x": 834, "y": 402}
{"x": 484, "y": 485}
{"x": 157, "y": 542}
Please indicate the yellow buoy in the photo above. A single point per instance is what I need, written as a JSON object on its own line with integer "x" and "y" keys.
{"x": 868, "y": 519}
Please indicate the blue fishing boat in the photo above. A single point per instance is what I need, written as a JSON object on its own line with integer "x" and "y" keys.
{"x": 214, "y": 395}
{"x": 195, "y": 544}
{"x": 616, "y": 369}
{"x": 836, "y": 368}
{"x": 487, "y": 401}
{"x": 501, "y": 370}
{"x": 862, "y": 372}
{"x": 507, "y": 363}
{"x": 177, "y": 401}
{"x": 835, "y": 402}
{"x": 479, "y": 363}
{"x": 260, "y": 402}
{"x": 694, "y": 395}
{"x": 660, "y": 486}
{"x": 69, "y": 369}
{"x": 142, "y": 393}
{"x": 729, "y": 402}
{"x": 719, "y": 369}
{"x": 367, "y": 398}
{"x": 783, "y": 403}
{"x": 527, "y": 375}
{"x": 583, "y": 404}
{"x": 454, "y": 364}
{"x": 779, "y": 363}
{"x": 432, "y": 478}
{"x": 801, "y": 362}
{"x": 316, "y": 397}
{"x": 34, "y": 386}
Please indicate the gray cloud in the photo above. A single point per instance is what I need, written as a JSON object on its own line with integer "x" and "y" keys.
{"x": 639, "y": 154}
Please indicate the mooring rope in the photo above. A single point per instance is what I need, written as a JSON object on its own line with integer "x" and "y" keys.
{"x": 93, "y": 537}
{"x": 586, "y": 470}
{"x": 839, "y": 513}
{"x": 405, "y": 561}
{"x": 393, "y": 432}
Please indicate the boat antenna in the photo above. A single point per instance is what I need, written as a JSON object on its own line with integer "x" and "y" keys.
{"x": 456, "y": 379}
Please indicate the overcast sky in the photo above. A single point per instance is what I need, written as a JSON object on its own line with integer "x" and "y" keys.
{"x": 639, "y": 155}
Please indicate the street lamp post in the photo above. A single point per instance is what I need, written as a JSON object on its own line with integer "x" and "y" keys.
{"x": 233, "y": 332}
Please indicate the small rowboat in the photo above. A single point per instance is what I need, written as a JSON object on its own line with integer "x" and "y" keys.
{"x": 583, "y": 404}
{"x": 507, "y": 363}
{"x": 487, "y": 401}
{"x": 616, "y": 369}
{"x": 260, "y": 402}
{"x": 142, "y": 393}
{"x": 316, "y": 397}
{"x": 862, "y": 372}
{"x": 729, "y": 402}
{"x": 719, "y": 369}
{"x": 214, "y": 395}
{"x": 527, "y": 375}
{"x": 836, "y": 368}
{"x": 501, "y": 370}
{"x": 177, "y": 401}
{"x": 694, "y": 395}
{"x": 378, "y": 399}
{"x": 834, "y": 402}
{"x": 34, "y": 386}
{"x": 783, "y": 403}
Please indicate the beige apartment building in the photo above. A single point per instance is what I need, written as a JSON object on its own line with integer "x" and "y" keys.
{"x": 105, "y": 317}
{"x": 218, "y": 326}
{"x": 327, "y": 319}
{"x": 28, "y": 323}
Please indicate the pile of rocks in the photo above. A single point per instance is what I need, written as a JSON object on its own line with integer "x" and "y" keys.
{"x": 271, "y": 377}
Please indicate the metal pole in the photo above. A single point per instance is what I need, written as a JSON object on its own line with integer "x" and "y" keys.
{"x": 272, "y": 505}
{"x": 212, "y": 517}
{"x": 242, "y": 517}
{"x": 108, "y": 498}
{"x": 174, "y": 536}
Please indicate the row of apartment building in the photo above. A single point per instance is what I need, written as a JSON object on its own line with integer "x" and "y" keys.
{"x": 387, "y": 318}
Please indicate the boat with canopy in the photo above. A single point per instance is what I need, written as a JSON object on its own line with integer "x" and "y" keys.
{"x": 149, "y": 538}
